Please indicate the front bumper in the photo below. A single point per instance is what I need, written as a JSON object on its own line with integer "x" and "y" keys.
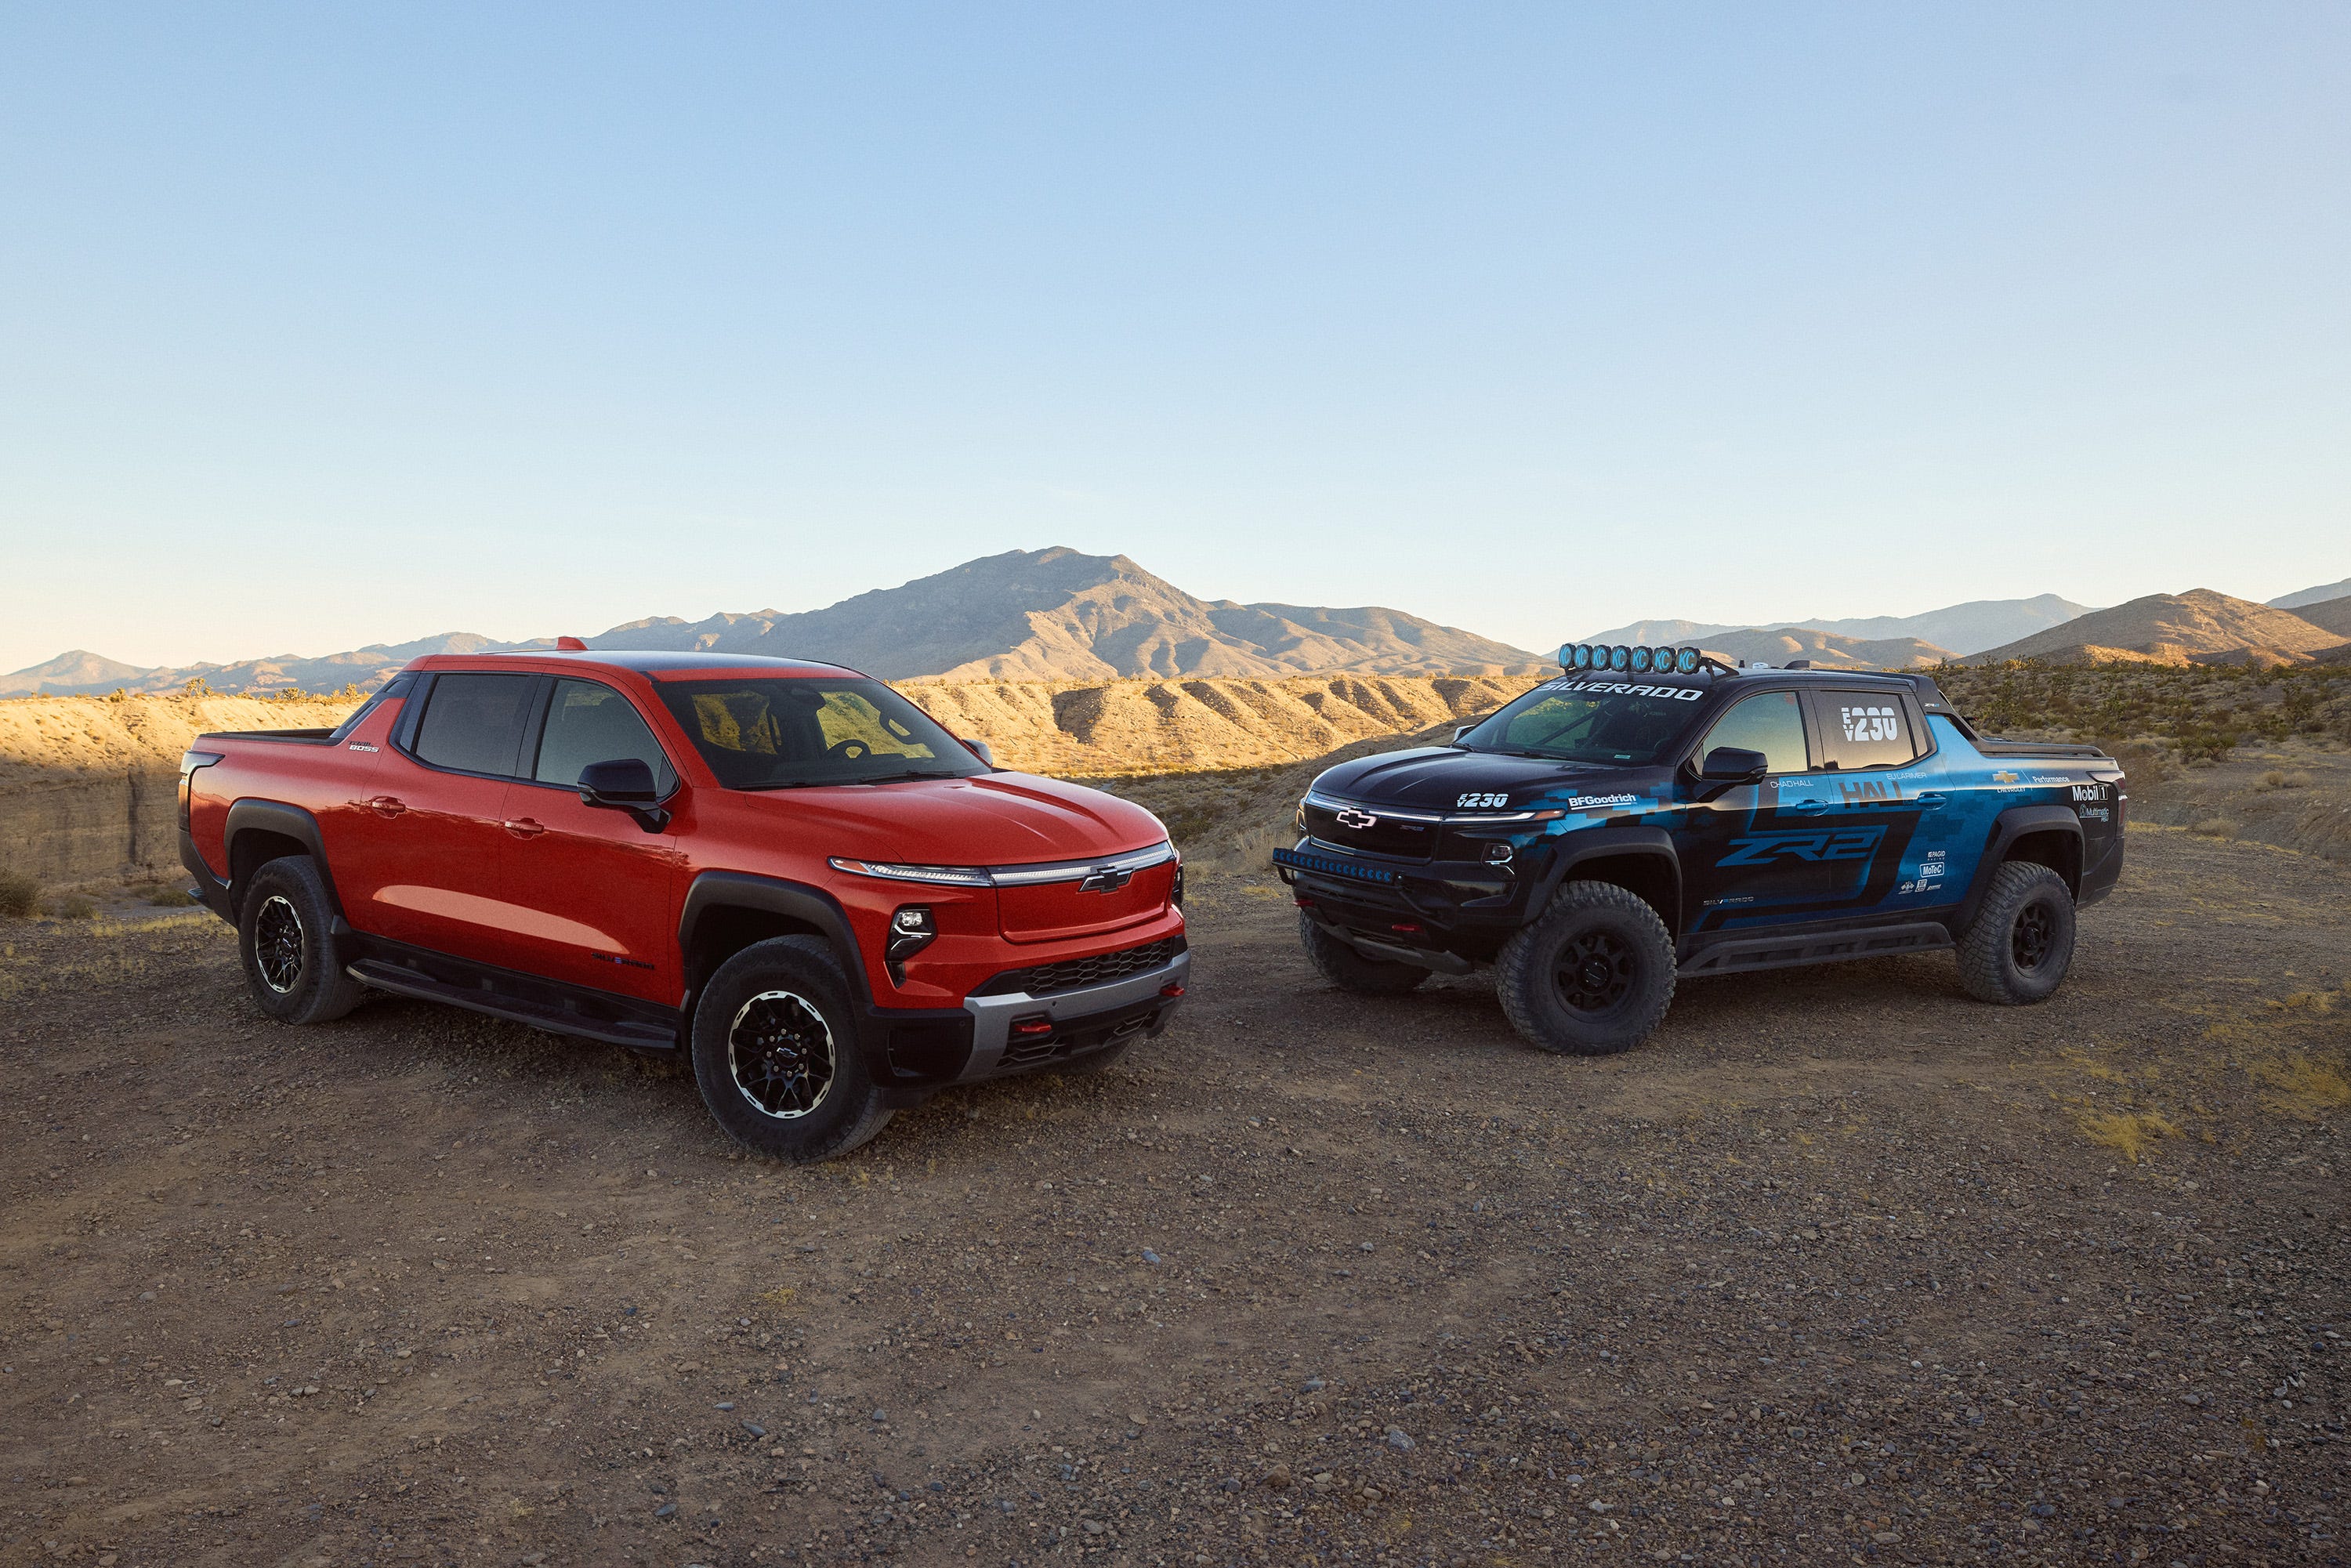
{"x": 1462, "y": 907}
{"x": 1010, "y": 1032}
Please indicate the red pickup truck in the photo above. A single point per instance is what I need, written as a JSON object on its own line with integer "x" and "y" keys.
{"x": 785, "y": 869}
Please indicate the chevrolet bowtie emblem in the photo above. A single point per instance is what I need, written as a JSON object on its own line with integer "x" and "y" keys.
{"x": 1105, "y": 879}
{"x": 1350, "y": 818}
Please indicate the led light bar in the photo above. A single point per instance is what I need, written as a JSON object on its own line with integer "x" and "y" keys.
{"x": 1635, "y": 661}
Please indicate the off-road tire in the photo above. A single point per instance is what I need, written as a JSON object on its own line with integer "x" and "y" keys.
{"x": 2021, "y": 944}
{"x": 776, "y": 1019}
{"x": 286, "y": 941}
{"x": 1350, "y": 970}
{"x": 1593, "y": 977}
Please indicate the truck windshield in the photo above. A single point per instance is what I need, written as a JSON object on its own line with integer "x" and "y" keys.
{"x": 1608, "y": 722}
{"x": 767, "y": 734}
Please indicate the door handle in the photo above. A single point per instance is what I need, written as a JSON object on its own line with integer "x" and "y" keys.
{"x": 1933, "y": 800}
{"x": 1806, "y": 806}
{"x": 387, "y": 805}
{"x": 524, "y": 827}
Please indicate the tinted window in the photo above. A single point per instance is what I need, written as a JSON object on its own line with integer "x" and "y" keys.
{"x": 1586, "y": 721}
{"x": 1866, "y": 729}
{"x": 768, "y": 734}
{"x": 474, "y": 722}
{"x": 1767, "y": 722}
{"x": 587, "y": 723}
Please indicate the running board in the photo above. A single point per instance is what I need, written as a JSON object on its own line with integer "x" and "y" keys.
{"x": 1742, "y": 954}
{"x": 555, "y": 1018}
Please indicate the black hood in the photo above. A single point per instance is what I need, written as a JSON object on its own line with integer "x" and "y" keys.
{"x": 1435, "y": 777}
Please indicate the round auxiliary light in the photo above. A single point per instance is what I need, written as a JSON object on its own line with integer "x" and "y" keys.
{"x": 1686, "y": 661}
{"x": 1580, "y": 657}
{"x": 1661, "y": 659}
{"x": 1640, "y": 660}
{"x": 1620, "y": 657}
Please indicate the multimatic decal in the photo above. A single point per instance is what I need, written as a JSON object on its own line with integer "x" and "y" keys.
{"x": 1820, "y": 845}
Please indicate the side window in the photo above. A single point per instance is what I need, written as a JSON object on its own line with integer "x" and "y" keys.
{"x": 1767, "y": 722}
{"x": 590, "y": 723}
{"x": 393, "y": 690}
{"x": 1866, "y": 729}
{"x": 474, "y": 723}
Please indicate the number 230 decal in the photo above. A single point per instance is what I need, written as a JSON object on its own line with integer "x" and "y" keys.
{"x": 1474, "y": 802}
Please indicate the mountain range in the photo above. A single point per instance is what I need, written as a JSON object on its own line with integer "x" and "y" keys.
{"x": 1060, "y": 615}
{"x": 1049, "y": 615}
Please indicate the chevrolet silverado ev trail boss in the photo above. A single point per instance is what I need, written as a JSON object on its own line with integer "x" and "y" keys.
{"x": 1655, "y": 813}
{"x": 784, "y": 868}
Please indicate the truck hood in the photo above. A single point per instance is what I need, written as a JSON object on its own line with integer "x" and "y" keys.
{"x": 1436, "y": 778}
{"x": 989, "y": 820}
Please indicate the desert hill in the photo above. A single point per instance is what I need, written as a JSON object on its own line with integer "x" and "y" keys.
{"x": 2199, "y": 626}
{"x": 87, "y": 783}
{"x": 1826, "y": 650}
{"x": 2328, "y": 615}
{"x": 1958, "y": 629}
{"x": 1055, "y": 614}
{"x": 1050, "y": 615}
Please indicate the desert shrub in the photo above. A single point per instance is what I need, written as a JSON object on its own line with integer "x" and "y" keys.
{"x": 197, "y": 686}
{"x": 68, "y": 906}
{"x": 165, "y": 895}
{"x": 20, "y": 895}
{"x": 2216, "y": 828}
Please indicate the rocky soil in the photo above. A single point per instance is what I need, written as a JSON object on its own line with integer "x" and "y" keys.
{"x": 1841, "y": 1267}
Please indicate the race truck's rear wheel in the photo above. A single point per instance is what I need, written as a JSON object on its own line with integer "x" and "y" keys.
{"x": 1595, "y": 975}
{"x": 777, "y": 1055}
{"x": 1350, "y": 970}
{"x": 285, "y": 936}
{"x": 2021, "y": 943}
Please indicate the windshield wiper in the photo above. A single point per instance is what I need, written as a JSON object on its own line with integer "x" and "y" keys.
{"x": 901, "y": 778}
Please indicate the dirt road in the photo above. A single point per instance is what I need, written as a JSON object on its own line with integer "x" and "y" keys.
{"x": 1842, "y": 1266}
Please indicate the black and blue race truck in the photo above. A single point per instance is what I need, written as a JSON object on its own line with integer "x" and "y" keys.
{"x": 1655, "y": 814}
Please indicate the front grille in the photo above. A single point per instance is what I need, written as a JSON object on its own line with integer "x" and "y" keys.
{"x": 1077, "y": 973}
{"x": 1369, "y": 830}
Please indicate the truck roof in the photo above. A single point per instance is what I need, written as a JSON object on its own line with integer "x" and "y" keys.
{"x": 652, "y": 664}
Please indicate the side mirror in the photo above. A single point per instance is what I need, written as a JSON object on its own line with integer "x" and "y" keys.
{"x": 979, "y": 748}
{"x": 623, "y": 784}
{"x": 1735, "y": 765}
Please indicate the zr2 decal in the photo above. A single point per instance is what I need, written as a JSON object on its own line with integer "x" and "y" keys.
{"x": 1826, "y": 844}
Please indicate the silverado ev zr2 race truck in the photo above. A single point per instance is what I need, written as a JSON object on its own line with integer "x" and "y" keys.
{"x": 1655, "y": 815}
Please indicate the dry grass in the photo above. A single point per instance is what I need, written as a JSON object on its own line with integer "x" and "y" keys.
{"x": 2305, "y": 1087}
{"x": 2215, "y": 827}
{"x": 2131, "y": 1133}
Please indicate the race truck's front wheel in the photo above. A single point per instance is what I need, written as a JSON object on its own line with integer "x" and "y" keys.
{"x": 1595, "y": 975}
{"x": 1350, "y": 970}
{"x": 2021, "y": 943}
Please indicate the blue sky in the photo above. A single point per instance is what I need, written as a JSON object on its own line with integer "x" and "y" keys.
{"x": 326, "y": 324}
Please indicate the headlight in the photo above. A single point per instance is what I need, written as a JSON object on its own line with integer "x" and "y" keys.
{"x": 954, "y": 875}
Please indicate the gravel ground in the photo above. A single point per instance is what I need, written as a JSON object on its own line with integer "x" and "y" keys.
{"x": 1841, "y": 1266}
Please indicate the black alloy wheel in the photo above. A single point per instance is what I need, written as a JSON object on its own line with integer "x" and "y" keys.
{"x": 2032, "y": 937}
{"x": 278, "y": 944}
{"x": 1594, "y": 971}
{"x": 780, "y": 1054}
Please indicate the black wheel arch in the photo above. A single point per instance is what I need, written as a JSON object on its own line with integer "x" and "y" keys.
{"x": 259, "y": 831}
{"x": 2044, "y": 835}
{"x": 726, "y": 911}
{"x": 1638, "y": 858}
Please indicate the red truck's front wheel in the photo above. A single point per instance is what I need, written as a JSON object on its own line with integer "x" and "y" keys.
{"x": 777, "y": 1056}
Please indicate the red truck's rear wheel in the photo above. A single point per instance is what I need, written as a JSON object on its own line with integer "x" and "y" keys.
{"x": 285, "y": 935}
{"x": 775, "y": 1053}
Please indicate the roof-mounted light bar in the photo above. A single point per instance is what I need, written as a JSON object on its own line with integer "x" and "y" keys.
{"x": 1641, "y": 661}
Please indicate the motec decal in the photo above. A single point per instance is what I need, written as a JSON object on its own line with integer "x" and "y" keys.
{"x": 1817, "y": 846}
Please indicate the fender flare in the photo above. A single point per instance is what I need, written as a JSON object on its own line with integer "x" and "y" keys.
{"x": 290, "y": 821}
{"x": 715, "y": 890}
{"x": 2006, "y": 829}
{"x": 1592, "y": 843}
